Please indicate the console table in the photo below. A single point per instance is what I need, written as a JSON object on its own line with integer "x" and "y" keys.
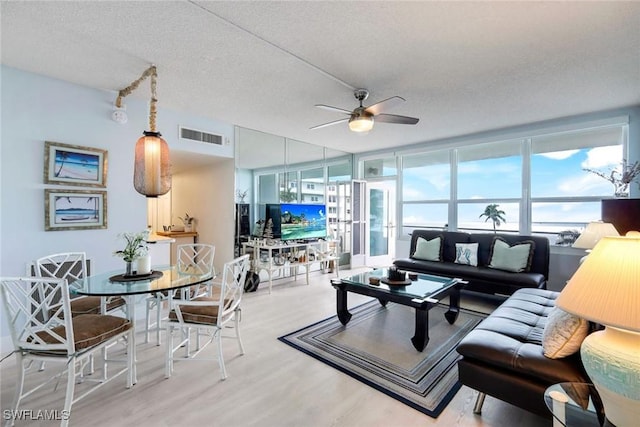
{"x": 304, "y": 254}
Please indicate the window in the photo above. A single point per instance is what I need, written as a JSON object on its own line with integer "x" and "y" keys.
{"x": 380, "y": 167}
{"x": 311, "y": 187}
{"x": 424, "y": 215}
{"x": 469, "y": 217}
{"x": 268, "y": 191}
{"x": 288, "y": 185}
{"x": 563, "y": 195}
{"x": 558, "y": 163}
{"x": 426, "y": 177}
{"x": 339, "y": 172}
{"x": 540, "y": 182}
{"x": 490, "y": 171}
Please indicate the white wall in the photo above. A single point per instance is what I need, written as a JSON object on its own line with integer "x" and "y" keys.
{"x": 35, "y": 109}
{"x": 206, "y": 195}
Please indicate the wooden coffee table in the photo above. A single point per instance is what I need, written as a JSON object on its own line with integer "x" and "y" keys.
{"x": 421, "y": 294}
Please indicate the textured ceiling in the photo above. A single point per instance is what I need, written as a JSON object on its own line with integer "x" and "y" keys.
{"x": 462, "y": 67}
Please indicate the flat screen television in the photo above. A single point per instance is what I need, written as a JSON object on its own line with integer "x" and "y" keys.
{"x": 624, "y": 214}
{"x": 303, "y": 221}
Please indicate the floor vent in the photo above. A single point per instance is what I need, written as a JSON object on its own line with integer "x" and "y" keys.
{"x": 196, "y": 135}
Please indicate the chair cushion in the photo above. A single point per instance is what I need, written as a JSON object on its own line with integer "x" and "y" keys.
{"x": 563, "y": 334}
{"x": 90, "y": 330}
{"x": 201, "y": 314}
{"x": 91, "y": 305}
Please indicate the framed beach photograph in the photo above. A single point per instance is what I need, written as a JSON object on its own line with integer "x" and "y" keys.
{"x": 67, "y": 164}
{"x": 75, "y": 210}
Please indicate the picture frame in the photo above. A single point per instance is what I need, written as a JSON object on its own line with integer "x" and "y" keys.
{"x": 66, "y": 164}
{"x": 75, "y": 210}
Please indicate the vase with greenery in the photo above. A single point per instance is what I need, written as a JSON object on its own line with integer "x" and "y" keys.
{"x": 494, "y": 214}
{"x": 188, "y": 222}
{"x": 621, "y": 177}
{"x": 136, "y": 247}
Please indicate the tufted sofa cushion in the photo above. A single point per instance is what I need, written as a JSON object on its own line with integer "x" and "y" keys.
{"x": 510, "y": 339}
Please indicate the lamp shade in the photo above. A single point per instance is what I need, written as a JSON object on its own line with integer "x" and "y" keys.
{"x": 606, "y": 287}
{"x": 593, "y": 233}
{"x": 152, "y": 168}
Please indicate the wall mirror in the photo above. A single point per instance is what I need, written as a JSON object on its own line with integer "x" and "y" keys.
{"x": 272, "y": 169}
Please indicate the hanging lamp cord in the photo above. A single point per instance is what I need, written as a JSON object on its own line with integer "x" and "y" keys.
{"x": 149, "y": 72}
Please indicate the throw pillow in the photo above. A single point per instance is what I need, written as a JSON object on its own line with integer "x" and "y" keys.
{"x": 563, "y": 334}
{"x": 515, "y": 258}
{"x": 428, "y": 250}
{"x": 467, "y": 253}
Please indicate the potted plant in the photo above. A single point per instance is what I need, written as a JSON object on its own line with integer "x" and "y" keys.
{"x": 494, "y": 214}
{"x": 135, "y": 248}
{"x": 620, "y": 177}
{"x": 188, "y": 222}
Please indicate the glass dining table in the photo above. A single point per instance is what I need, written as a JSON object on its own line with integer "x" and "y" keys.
{"x": 113, "y": 283}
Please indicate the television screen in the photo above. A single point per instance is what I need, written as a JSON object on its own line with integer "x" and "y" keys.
{"x": 302, "y": 221}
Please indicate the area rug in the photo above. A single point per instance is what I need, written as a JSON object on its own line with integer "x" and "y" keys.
{"x": 375, "y": 348}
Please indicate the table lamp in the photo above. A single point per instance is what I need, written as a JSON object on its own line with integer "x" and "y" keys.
{"x": 606, "y": 289}
{"x": 592, "y": 234}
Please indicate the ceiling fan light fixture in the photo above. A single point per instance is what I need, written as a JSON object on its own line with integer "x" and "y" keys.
{"x": 361, "y": 123}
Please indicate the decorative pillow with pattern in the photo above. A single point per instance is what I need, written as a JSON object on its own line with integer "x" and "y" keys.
{"x": 563, "y": 334}
{"x": 467, "y": 253}
{"x": 515, "y": 258}
{"x": 428, "y": 250}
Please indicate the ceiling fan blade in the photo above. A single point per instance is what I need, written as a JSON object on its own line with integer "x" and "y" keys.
{"x": 392, "y": 118}
{"x": 335, "y": 122}
{"x": 330, "y": 108}
{"x": 378, "y": 108}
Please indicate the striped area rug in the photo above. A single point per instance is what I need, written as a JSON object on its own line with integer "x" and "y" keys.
{"x": 375, "y": 348}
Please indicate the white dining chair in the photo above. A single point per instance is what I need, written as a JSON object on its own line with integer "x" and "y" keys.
{"x": 208, "y": 316}
{"x": 73, "y": 266}
{"x": 38, "y": 315}
{"x": 193, "y": 258}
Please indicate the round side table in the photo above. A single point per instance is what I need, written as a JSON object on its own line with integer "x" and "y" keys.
{"x": 575, "y": 404}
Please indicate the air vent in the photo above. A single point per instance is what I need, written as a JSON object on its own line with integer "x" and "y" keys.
{"x": 199, "y": 136}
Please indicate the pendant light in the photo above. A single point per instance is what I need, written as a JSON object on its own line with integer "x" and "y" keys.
{"x": 152, "y": 168}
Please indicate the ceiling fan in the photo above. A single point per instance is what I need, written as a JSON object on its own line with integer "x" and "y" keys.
{"x": 361, "y": 119}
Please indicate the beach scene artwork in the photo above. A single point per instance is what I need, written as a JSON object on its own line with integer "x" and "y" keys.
{"x": 71, "y": 210}
{"x": 77, "y": 166}
{"x": 302, "y": 221}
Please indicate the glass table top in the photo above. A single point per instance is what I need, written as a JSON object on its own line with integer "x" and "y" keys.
{"x": 171, "y": 278}
{"x": 425, "y": 286}
{"x": 575, "y": 404}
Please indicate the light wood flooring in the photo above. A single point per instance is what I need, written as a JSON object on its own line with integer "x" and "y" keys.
{"x": 271, "y": 385}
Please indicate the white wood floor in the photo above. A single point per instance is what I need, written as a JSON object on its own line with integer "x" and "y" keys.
{"x": 271, "y": 385}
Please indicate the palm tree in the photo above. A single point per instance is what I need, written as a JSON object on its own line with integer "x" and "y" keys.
{"x": 63, "y": 157}
{"x": 494, "y": 214}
